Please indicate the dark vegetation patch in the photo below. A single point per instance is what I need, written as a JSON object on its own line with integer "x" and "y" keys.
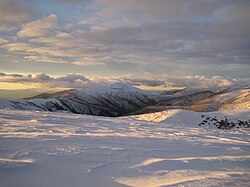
{"x": 224, "y": 122}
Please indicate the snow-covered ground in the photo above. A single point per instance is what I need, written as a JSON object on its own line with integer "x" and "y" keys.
{"x": 43, "y": 149}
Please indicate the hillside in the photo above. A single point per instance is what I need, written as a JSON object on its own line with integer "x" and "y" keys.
{"x": 120, "y": 99}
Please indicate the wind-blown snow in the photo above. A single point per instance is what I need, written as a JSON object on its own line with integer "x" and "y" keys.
{"x": 62, "y": 149}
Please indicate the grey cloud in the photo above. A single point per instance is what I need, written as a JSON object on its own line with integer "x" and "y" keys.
{"x": 161, "y": 10}
{"x": 146, "y": 10}
{"x": 144, "y": 82}
{"x": 12, "y": 12}
{"x": 208, "y": 27}
{"x": 117, "y": 34}
{"x": 3, "y": 75}
{"x": 190, "y": 81}
{"x": 44, "y": 80}
{"x": 74, "y": 2}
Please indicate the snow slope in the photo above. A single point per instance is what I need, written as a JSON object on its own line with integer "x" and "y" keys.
{"x": 61, "y": 149}
{"x": 185, "y": 117}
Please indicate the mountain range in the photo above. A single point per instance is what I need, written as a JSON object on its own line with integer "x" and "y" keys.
{"x": 120, "y": 99}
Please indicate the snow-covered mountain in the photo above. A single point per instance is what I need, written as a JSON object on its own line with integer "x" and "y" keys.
{"x": 225, "y": 100}
{"x": 120, "y": 99}
{"x": 202, "y": 100}
{"x": 105, "y": 100}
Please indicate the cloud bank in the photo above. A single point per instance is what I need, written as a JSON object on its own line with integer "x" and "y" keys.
{"x": 79, "y": 81}
{"x": 46, "y": 81}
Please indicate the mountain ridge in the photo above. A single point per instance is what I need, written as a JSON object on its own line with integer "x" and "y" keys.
{"x": 120, "y": 99}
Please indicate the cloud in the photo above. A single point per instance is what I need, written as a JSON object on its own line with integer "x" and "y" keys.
{"x": 46, "y": 81}
{"x": 206, "y": 28}
{"x": 2, "y": 41}
{"x": 190, "y": 81}
{"x": 201, "y": 81}
{"x": 27, "y": 48}
{"x": 78, "y": 81}
{"x": 44, "y": 59}
{"x": 87, "y": 61}
{"x": 39, "y": 77}
{"x": 12, "y": 13}
{"x": 74, "y": 2}
{"x": 181, "y": 81}
{"x": 158, "y": 36}
{"x": 2, "y": 74}
{"x": 40, "y": 27}
{"x": 159, "y": 10}
{"x": 88, "y": 21}
{"x": 82, "y": 56}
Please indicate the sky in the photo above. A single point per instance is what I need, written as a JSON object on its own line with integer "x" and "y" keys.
{"x": 153, "y": 40}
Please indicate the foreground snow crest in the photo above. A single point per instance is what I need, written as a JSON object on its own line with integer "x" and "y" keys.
{"x": 62, "y": 149}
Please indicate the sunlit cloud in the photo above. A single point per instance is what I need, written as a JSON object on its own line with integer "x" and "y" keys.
{"x": 39, "y": 27}
{"x": 2, "y": 41}
{"x": 45, "y": 59}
